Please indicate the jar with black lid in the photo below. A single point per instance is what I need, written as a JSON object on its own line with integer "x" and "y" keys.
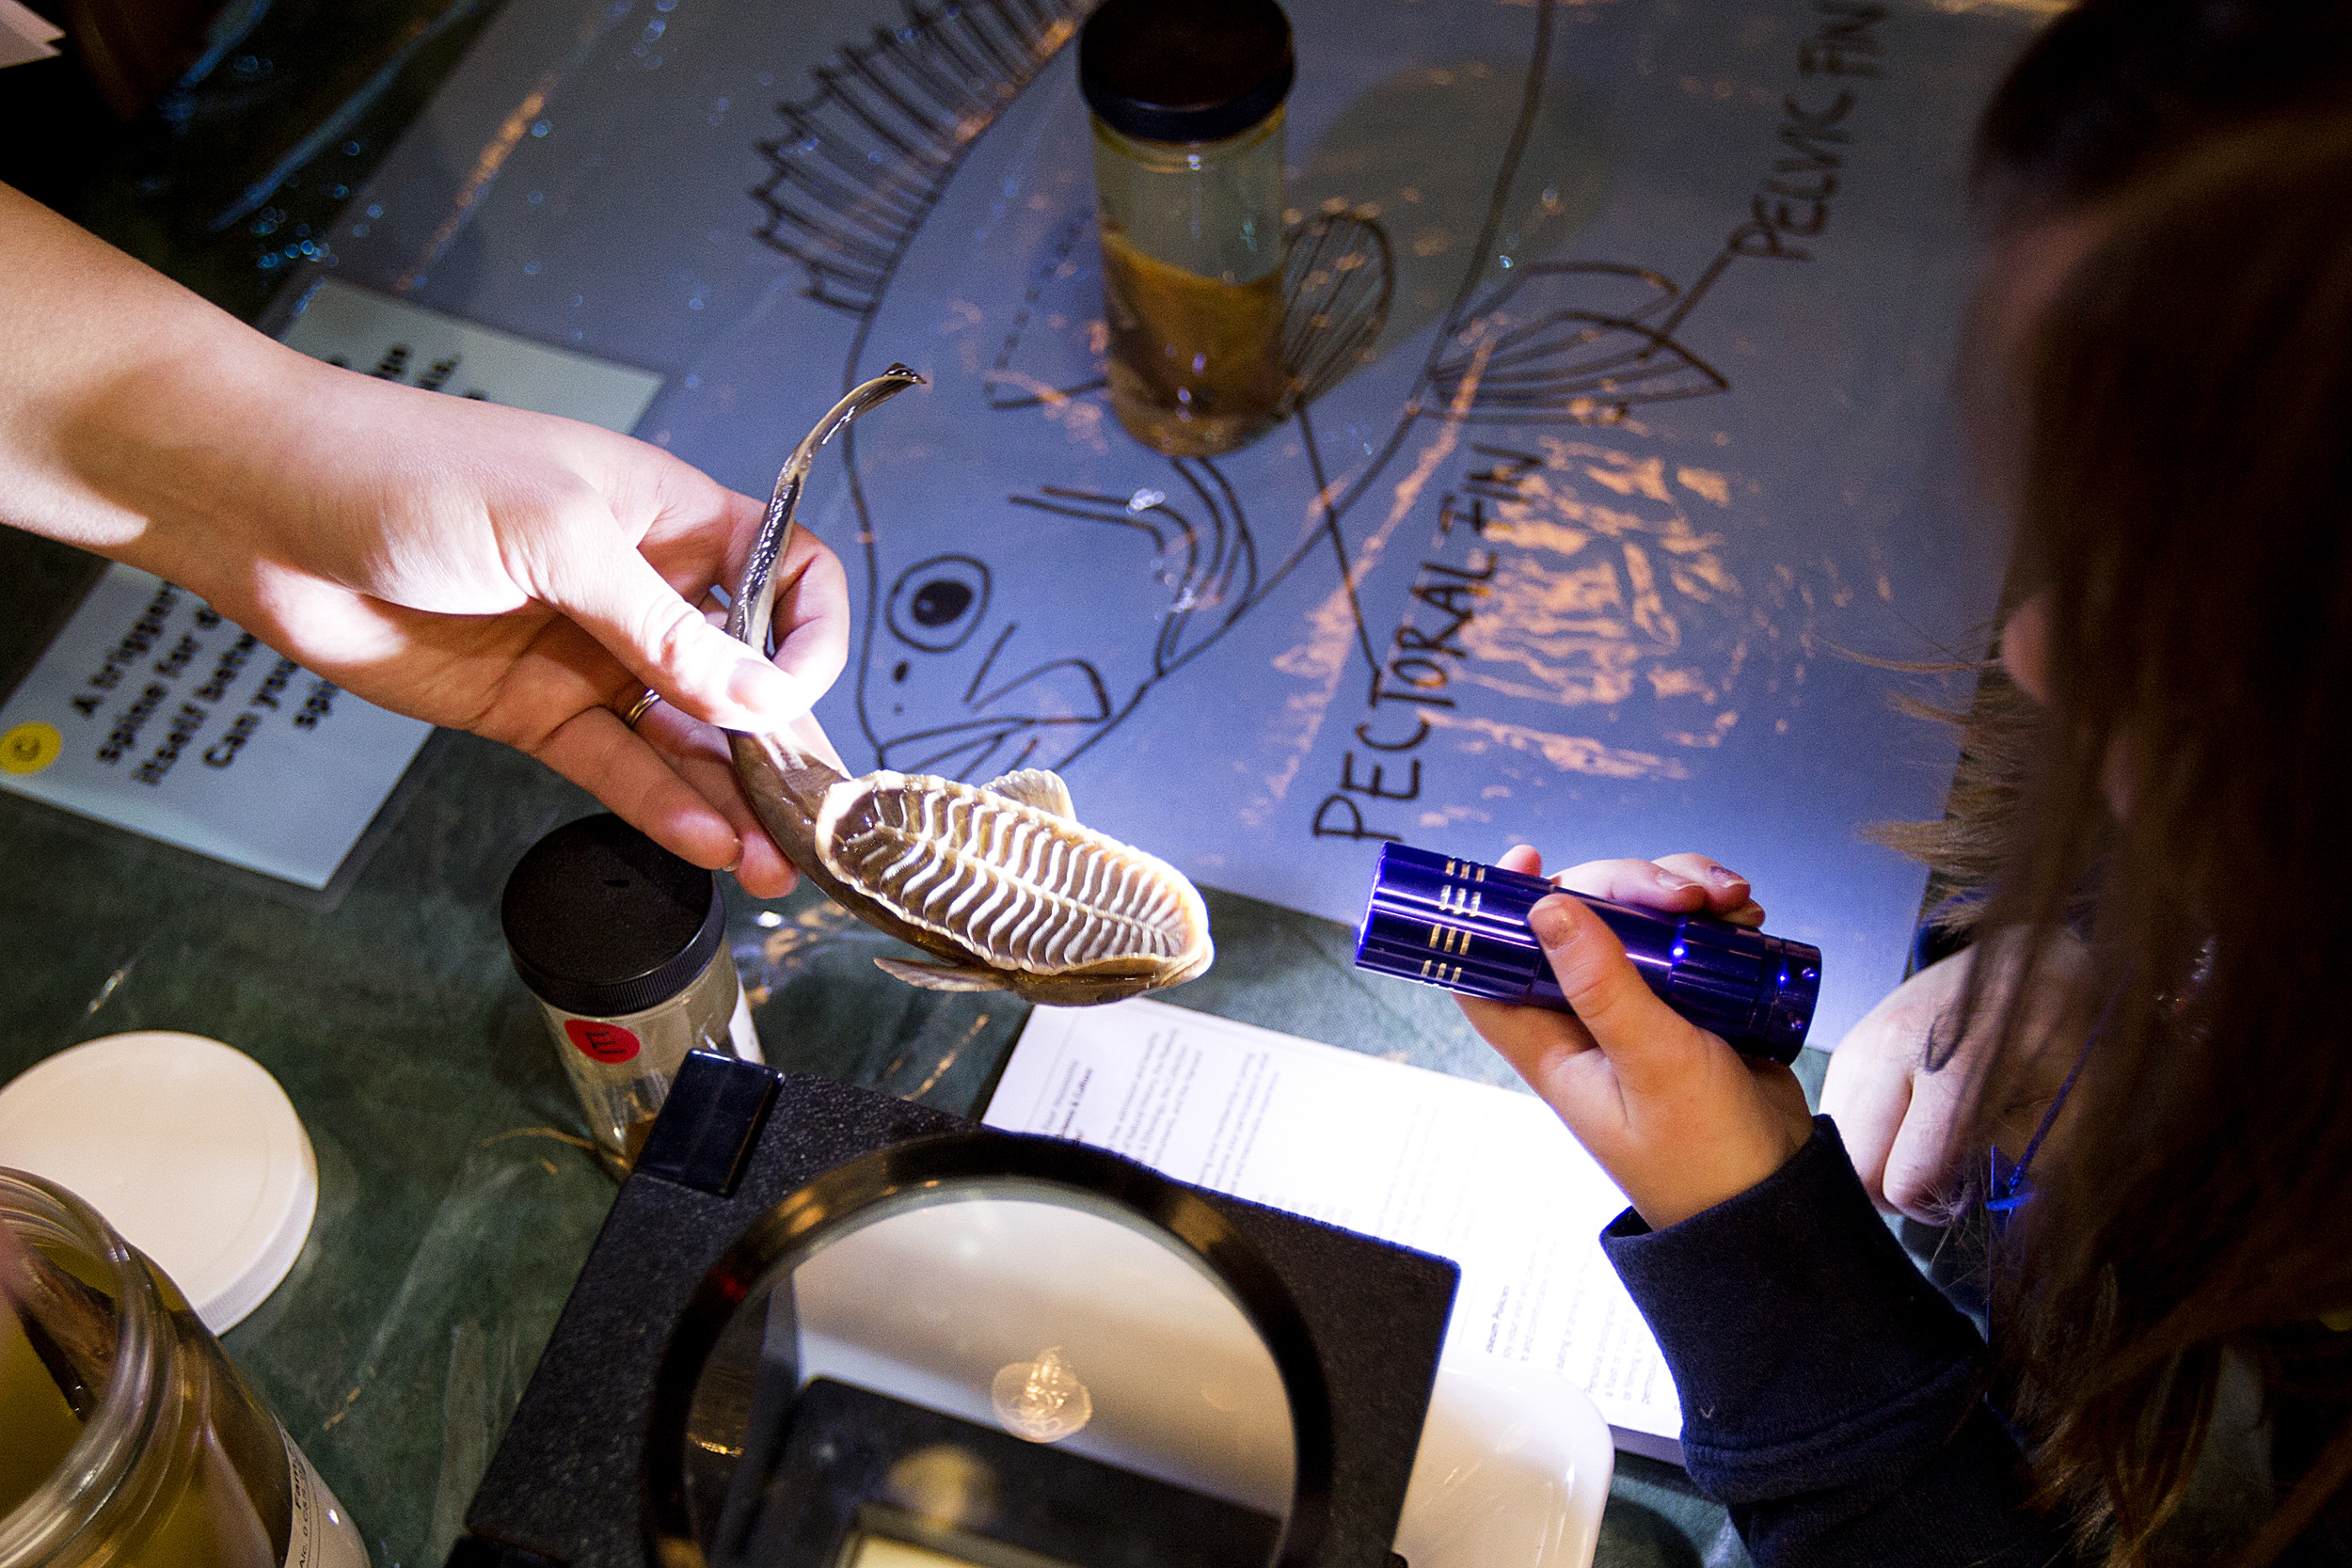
{"x": 624, "y": 944}
{"x": 1187, "y": 98}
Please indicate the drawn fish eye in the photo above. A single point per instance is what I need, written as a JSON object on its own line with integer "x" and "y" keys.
{"x": 938, "y": 603}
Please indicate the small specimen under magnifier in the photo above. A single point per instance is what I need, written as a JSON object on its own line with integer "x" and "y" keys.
{"x": 1041, "y": 1400}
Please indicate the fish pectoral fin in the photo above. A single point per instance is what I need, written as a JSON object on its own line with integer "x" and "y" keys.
{"x": 1038, "y": 787}
{"x": 941, "y": 976}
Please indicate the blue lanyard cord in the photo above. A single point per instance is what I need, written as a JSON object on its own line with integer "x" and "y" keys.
{"x": 2010, "y": 1188}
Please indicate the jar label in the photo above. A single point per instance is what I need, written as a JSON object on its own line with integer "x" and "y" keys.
{"x": 323, "y": 1535}
{"x": 601, "y": 1041}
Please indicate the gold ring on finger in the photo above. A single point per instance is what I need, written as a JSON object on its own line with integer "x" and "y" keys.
{"x": 641, "y": 706}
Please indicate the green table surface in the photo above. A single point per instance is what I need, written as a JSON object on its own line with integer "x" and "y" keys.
{"x": 456, "y": 1199}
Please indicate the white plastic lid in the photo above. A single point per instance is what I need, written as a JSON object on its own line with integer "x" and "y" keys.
{"x": 189, "y": 1148}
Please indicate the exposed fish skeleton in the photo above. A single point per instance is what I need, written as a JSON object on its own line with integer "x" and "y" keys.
{"x": 1001, "y": 883}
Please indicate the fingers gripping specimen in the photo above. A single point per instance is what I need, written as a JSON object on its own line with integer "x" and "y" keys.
{"x": 1002, "y": 884}
{"x": 1005, "y": 872}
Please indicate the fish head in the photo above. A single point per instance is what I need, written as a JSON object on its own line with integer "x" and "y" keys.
{"x": 1015, "y": 638}
{"x": 1020, "y": 559}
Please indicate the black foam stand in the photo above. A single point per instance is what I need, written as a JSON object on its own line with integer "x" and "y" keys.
{"x": 570, "y": 1482}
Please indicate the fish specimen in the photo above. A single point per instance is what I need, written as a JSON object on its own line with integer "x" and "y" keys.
{"x": 1000, "y": 883}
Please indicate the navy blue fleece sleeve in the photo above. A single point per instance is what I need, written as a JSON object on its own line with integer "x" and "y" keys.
{"x": 1830, "y": 1397}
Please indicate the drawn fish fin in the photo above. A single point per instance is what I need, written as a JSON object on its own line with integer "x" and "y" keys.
{"x": 863, "y": 159}
{"x": 1337, "y": 283}
{"x": 1038, "y": 787}
{"x": 941, "y": 976}
{"x": 1572, "y": 342}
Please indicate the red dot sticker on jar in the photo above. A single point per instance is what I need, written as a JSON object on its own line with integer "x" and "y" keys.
{"x": 599, "y": 1042}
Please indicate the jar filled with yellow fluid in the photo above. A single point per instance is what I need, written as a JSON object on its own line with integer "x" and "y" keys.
{"x": 1187, "y": 98}
{"x": 127, "y": 1440}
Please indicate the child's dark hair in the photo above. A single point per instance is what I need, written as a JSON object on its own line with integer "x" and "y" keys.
{"x": 2187, "y": 499}
{"x": 2113, "y": 89}
{"x": 2109, "y": 92}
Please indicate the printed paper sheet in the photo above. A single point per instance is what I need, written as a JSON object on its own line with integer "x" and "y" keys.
{"x": 1477, "y": 1174}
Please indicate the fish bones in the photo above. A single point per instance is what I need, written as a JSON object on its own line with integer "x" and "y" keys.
{"x": 1008, "y": 873}
{"x": 1001, "y": 883}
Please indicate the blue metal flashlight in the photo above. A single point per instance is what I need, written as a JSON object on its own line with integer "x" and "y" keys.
{"x": 1463, "y": 926}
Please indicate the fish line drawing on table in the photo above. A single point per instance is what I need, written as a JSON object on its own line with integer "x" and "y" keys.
{"x": 968, "y": 665}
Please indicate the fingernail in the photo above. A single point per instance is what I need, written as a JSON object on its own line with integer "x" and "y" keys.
{"x": 1548, "y": 920}
{"x": 1725, "y": 877}
{"x": 763, "y": 689}
{"x": 1669, "y": 882}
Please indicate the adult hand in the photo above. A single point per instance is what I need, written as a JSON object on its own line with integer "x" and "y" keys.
{"x": 1902, "y": 1120}
{"x": 1678, "y": 1119}
{"x": 526, "y": 578}
{"x": 522, "y": 577}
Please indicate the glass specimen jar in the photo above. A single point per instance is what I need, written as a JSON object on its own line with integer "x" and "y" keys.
{"x": 127, "y": 1439}
{"x": 624, "y": 944}
{"x": 1187, "y": 105}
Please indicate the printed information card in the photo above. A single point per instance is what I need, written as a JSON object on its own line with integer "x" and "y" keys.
{"x": 152, "y": 713}
{"x": 394, "y": 341}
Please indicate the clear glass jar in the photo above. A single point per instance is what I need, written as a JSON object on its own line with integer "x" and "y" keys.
{"x": 623, "y": 946}
{"x": 128, "y": 1440}
{"x": 1188, "y": 139}
{"x": 622, "y": 1066}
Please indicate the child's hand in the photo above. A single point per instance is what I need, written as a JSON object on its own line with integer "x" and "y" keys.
{"x": 1902, "y": 1120}
{"x": 1677, "y": 1118}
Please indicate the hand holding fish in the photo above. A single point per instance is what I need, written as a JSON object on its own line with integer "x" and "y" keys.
{"x": 529, "y": 584}
{"x": 522, "y": 577}
{"x": 1002, "y": 885}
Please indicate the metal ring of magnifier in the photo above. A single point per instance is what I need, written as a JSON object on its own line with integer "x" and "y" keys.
{"x": 842, "y": 1198}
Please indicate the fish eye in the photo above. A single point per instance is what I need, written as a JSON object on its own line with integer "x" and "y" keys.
{"x": 938, "y": 603}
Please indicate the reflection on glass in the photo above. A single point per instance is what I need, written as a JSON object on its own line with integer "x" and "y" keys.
{"x": 874, "y": 1546}
{"x": 1006, "y": 1373}
{"x": 1041, "y": 1399}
